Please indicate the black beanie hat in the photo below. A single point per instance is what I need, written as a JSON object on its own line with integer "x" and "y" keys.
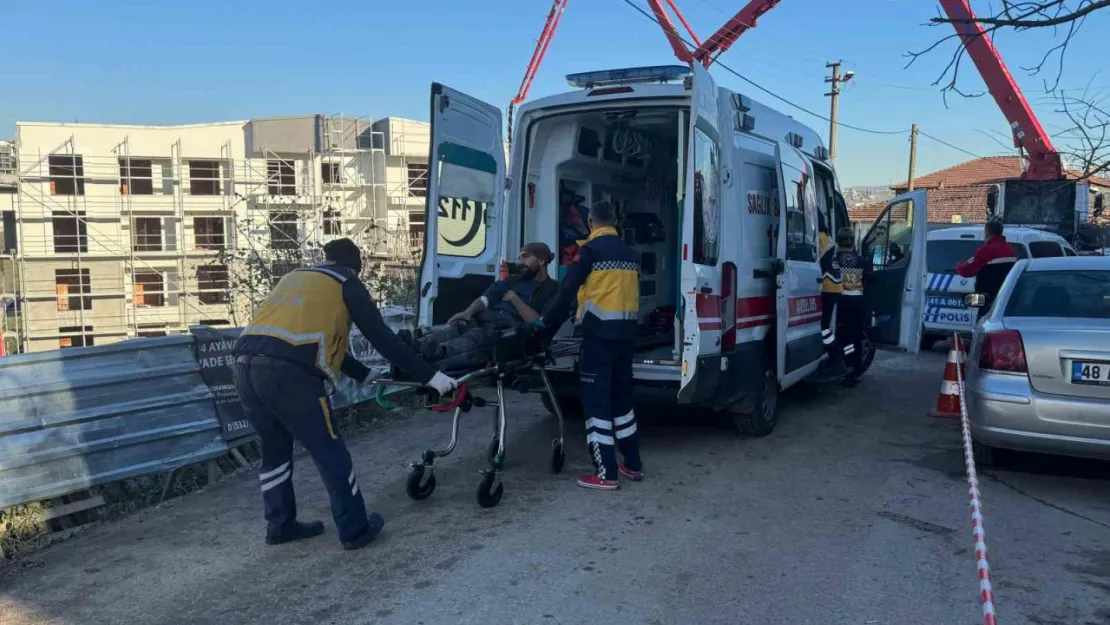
{"x": 344, "y": 252}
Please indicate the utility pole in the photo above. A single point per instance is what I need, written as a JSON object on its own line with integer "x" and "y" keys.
{"x": 836, "y": 79}
{"x": 913, "y": 156}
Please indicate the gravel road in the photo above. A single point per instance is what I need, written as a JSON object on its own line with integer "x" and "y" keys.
{"x": 854, "y": 511}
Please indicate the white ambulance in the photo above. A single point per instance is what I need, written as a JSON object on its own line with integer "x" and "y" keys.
{"x": 721, "y": 194}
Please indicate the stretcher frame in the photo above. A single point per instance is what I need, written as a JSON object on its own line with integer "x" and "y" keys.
{"x": 500, "y": 374}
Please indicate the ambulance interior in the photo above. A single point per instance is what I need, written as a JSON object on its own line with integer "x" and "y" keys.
{"x": 629, "y": 157}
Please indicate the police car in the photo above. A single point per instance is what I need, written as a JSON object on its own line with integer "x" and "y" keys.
{"x": 945, "y": 311}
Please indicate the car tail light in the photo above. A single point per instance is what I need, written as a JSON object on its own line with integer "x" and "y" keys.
{"x": 1003, "y": 351}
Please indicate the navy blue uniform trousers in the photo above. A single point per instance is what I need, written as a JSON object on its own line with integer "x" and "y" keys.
{"x": 285, "y": 401}
{"x": 605, "y": 373}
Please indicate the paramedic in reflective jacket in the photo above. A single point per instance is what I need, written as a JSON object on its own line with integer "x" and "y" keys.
{"x": 851, "y": 313}
{"x": 605, "y": 276}
{"x": 291, "y": 353}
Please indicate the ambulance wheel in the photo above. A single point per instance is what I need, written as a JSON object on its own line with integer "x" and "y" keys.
{"x": 867, "y": 357}
{"x": 413, "y": 486}
{"x": 758, "y": 415}
{"x": 488, "y": 495}
{"x": 558, "y": 456}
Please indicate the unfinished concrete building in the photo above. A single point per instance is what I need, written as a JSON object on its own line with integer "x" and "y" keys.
{"x": 119, "y": 231}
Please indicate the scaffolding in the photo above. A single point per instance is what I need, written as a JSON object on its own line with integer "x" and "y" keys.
{"x": 407, "y": 195}
{"x": 140, "y": 241}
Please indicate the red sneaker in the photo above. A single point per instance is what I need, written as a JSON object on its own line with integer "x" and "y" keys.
{"x": 635, "y": 476}
{"x": 596, "y": 483}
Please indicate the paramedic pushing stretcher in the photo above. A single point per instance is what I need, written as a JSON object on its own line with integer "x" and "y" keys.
{"x": 605, "y": 275}
{"x": 293, "y": 349}
{"x": 990, "y": 265}
{"x": 506, "y": 304}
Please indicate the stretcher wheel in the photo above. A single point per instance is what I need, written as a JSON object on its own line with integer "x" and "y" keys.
{"x": 491, "y": 451}
{"x": 558, "y": 456}
{"x": 416, "y": 486}
{"x": 489, "y": 495}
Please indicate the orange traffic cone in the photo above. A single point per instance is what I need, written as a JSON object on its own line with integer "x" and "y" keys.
{"x": 948, "y": 401}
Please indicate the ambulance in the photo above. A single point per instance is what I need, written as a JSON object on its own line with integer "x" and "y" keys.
{"x": 724, "y": 198}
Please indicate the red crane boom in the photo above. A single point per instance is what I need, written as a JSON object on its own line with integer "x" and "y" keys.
{"x": 727, "y": 35}
{"x": 1044, "y": 160}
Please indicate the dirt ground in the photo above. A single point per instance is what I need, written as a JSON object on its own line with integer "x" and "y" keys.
{"x": 853, "y": 511}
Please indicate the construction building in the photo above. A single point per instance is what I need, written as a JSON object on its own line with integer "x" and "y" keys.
{"x": 114, "y": 231}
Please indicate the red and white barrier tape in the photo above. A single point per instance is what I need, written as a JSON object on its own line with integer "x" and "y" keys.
{"x": 986, "y": 591}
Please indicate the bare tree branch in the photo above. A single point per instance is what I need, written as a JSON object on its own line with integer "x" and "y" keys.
{"x": 1062, "y": 15}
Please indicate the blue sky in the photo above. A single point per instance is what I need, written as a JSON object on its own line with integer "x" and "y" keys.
{"x": 155, "y": 61}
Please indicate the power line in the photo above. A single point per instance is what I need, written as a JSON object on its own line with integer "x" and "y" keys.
{"x": 751, "y": 82}
{"x": 943, "y": 142}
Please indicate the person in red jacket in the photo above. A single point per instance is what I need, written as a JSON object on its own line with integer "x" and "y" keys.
{"x": 990, "y": 265}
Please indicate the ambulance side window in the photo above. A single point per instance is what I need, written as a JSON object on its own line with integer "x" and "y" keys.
{"x": 466, "y": 193}
{"x": 801, "y": 215}
{"x": 707, "y": 207}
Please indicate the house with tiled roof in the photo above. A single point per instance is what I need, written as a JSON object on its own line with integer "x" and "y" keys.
{"x": 958, "y": 194}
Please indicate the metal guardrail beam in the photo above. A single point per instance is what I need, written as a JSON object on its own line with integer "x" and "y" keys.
{"x": 81, "y": 417}
{"x": 75, "y": 418}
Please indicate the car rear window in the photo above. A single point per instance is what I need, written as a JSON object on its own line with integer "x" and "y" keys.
{"x": 1045, "y": 249}
{"x": 943, "y": 255}
{"x": 1075, "y": 294}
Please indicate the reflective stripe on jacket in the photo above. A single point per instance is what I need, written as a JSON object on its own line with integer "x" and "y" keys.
{"x": 605, "y": 276}
{"x": 305, "y": 313}
{"x": 989, "y": 266}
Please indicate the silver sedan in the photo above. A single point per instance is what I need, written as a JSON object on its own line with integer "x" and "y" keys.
{"x": 1038, "y": 370}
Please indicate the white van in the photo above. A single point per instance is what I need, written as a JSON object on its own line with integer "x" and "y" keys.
{"x": 945, "y": 311}
{"x": 719, "y": 192}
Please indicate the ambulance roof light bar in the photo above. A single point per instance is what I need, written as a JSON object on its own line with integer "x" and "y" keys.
{"x": 630, "y": 76}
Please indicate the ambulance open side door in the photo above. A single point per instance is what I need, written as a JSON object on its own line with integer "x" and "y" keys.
{"x": 798, "y": 280}
{"x": 465, "y": 202}
{"x": 893, "y": 283}
{"x": 700, "y": 283}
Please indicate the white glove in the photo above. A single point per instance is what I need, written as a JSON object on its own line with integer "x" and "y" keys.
{"x": 443, "y": 384}
{"x": 371, "y": 377}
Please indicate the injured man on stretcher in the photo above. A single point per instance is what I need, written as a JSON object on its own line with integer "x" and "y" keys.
{"x": 505, "y": 305}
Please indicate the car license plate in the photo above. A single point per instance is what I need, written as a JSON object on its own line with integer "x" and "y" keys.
{"x": 1090, "y": 372}
{"x": 946, "y": 302}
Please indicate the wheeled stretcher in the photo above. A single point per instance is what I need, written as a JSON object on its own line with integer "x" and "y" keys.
{"x": 514, "y": 353}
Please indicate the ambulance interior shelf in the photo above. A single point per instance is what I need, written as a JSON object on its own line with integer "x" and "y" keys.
{"x": 630, "y": 162}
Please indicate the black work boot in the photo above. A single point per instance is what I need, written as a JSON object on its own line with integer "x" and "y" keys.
{"x": 374, "y": 524}
{"x": 295, "y": 531}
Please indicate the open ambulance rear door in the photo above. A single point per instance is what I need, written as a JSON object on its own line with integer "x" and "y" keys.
{"x": 700, "y": 283}
{"x": 465, "y": 202}
{"x": 894, "y": 287}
